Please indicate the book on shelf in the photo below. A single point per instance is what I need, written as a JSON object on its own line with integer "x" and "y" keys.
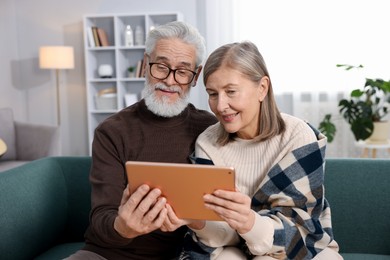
{"x": 138, "y": 69}
{"x": 95, "y": 36}
{"x": 103, "y": 39}
{"x": 91, "y": 40}
{"x": 142, "y": 73}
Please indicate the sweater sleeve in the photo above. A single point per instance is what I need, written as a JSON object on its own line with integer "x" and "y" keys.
{"x": 215, "y": 233}
{"x": 108, "y": 181}
{"x": 259, "y": 239}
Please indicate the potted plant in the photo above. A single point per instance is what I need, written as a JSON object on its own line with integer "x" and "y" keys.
{"x": 131, "y": 71}
{"x": 364, "y": 108}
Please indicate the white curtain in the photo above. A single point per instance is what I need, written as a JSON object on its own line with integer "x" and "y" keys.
{"x": 312, "y": 106}
{"x": 302, "y": 41}
{"x": 218, "y": 22}
{"x": 215, "y": 22}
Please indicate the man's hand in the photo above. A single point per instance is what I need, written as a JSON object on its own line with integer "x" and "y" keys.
{"x": 172, "y": 222}
{"x": 141, "y": 212}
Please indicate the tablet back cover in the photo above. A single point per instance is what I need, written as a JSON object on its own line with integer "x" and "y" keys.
{"x": 183, "y": 185}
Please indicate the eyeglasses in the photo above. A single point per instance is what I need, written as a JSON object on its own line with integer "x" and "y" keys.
{"x": 161, "y": 71}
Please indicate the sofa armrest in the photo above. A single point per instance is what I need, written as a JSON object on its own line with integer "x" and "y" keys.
{"x": 35, "y": 141}
{"x": 45, "y": 207}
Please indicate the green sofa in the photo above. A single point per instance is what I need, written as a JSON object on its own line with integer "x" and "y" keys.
{"x": 44, "y": 208}
{"x": 45, "y": 205}
{"x": 358, "y": 191}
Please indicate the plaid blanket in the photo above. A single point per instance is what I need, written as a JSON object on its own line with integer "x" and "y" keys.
{"x": 292, "y": 194}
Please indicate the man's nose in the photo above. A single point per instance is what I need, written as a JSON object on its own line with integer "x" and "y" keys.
{"x": 170, "y": 80}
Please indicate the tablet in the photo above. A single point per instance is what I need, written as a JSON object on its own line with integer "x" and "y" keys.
{"x": 183, "y": 185}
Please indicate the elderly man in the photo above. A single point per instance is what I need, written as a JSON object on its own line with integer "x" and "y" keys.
{"x": 162, "y": 127}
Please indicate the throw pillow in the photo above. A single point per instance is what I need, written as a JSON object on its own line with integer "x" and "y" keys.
{"x": 3, "y": 147}
{"x": 8, "y": 133}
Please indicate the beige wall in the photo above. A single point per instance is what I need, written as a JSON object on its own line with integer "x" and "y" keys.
{"x": 30, "y": 91}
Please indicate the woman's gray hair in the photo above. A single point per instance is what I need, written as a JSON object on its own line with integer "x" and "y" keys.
{"x": 246, "y": 58}
{"x": 182, "y": 31}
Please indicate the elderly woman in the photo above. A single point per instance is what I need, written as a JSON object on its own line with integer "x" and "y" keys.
{"x": 279, "y": 208}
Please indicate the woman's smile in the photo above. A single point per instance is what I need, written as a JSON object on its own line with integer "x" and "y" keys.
{"x": 229, "y": 118}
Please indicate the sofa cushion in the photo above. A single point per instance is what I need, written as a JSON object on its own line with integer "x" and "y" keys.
{"x": 35, "y": 141}
{"x": 365, "y": 257}
{"x": 61, "y": 251}
{"x": 7, "y": 133}
{"x": 9, "y": 164}
{"x": 357, "y": 191}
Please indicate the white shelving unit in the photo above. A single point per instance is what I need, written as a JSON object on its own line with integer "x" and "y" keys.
{"x": 119, "y": 56}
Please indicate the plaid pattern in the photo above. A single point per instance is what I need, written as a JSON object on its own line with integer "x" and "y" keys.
{"x": 292, "y": 194}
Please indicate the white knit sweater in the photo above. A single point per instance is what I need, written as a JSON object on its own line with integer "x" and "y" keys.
{"x": 252, "y": 161}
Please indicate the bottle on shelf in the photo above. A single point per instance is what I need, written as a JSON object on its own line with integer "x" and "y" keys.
{"x": 129, "y": 38}
{"x": 139, "y": 35}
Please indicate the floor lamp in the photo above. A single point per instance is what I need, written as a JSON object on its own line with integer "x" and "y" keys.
{"x": 56, "y": 57}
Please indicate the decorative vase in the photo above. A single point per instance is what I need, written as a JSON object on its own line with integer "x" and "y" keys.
{"x": 380, "y": 133}
{"x": 105, "y": 71}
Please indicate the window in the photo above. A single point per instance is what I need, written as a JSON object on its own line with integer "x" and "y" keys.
{"x": 303, "y": 40}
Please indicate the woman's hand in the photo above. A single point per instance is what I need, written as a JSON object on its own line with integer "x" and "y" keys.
{"x": 234, "y": 207}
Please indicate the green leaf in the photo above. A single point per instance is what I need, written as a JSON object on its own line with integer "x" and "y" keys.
{"x": 366, "y": 105}
{"x": 349, "y": 67}
{"x": 362, "y": 128}
{"x": 327, "y": 128}
{"x": 356, "y": 93}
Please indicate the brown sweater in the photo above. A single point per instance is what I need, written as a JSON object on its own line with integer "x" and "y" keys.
{"x": 135, "y": 133}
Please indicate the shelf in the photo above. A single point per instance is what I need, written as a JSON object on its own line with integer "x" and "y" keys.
{"x": 119, "y": 58}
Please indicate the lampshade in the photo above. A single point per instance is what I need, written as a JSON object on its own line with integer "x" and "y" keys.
{"x": 56, "y": 57}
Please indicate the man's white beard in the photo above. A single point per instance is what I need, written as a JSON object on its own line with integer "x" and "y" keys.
{"x": 162, "y": 106}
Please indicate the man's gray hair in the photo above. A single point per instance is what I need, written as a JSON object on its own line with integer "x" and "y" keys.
{"x": 182, "y": 31}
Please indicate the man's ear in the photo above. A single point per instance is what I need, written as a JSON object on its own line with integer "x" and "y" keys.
{"x": 198, "y": 71}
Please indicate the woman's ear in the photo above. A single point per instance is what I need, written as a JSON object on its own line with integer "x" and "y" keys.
{"x": 263, "y": 87}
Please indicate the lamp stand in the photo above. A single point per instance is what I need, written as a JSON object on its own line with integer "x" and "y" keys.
{"x": 58, "y": 96}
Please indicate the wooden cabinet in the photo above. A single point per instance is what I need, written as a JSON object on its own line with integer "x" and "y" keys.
{"x": 108, "y": 81}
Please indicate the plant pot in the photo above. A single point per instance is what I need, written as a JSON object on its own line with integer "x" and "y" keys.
{"x": 380, "y": 134}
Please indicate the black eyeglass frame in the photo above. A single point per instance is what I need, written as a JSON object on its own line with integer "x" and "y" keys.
{"x": 169, "y": 72}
